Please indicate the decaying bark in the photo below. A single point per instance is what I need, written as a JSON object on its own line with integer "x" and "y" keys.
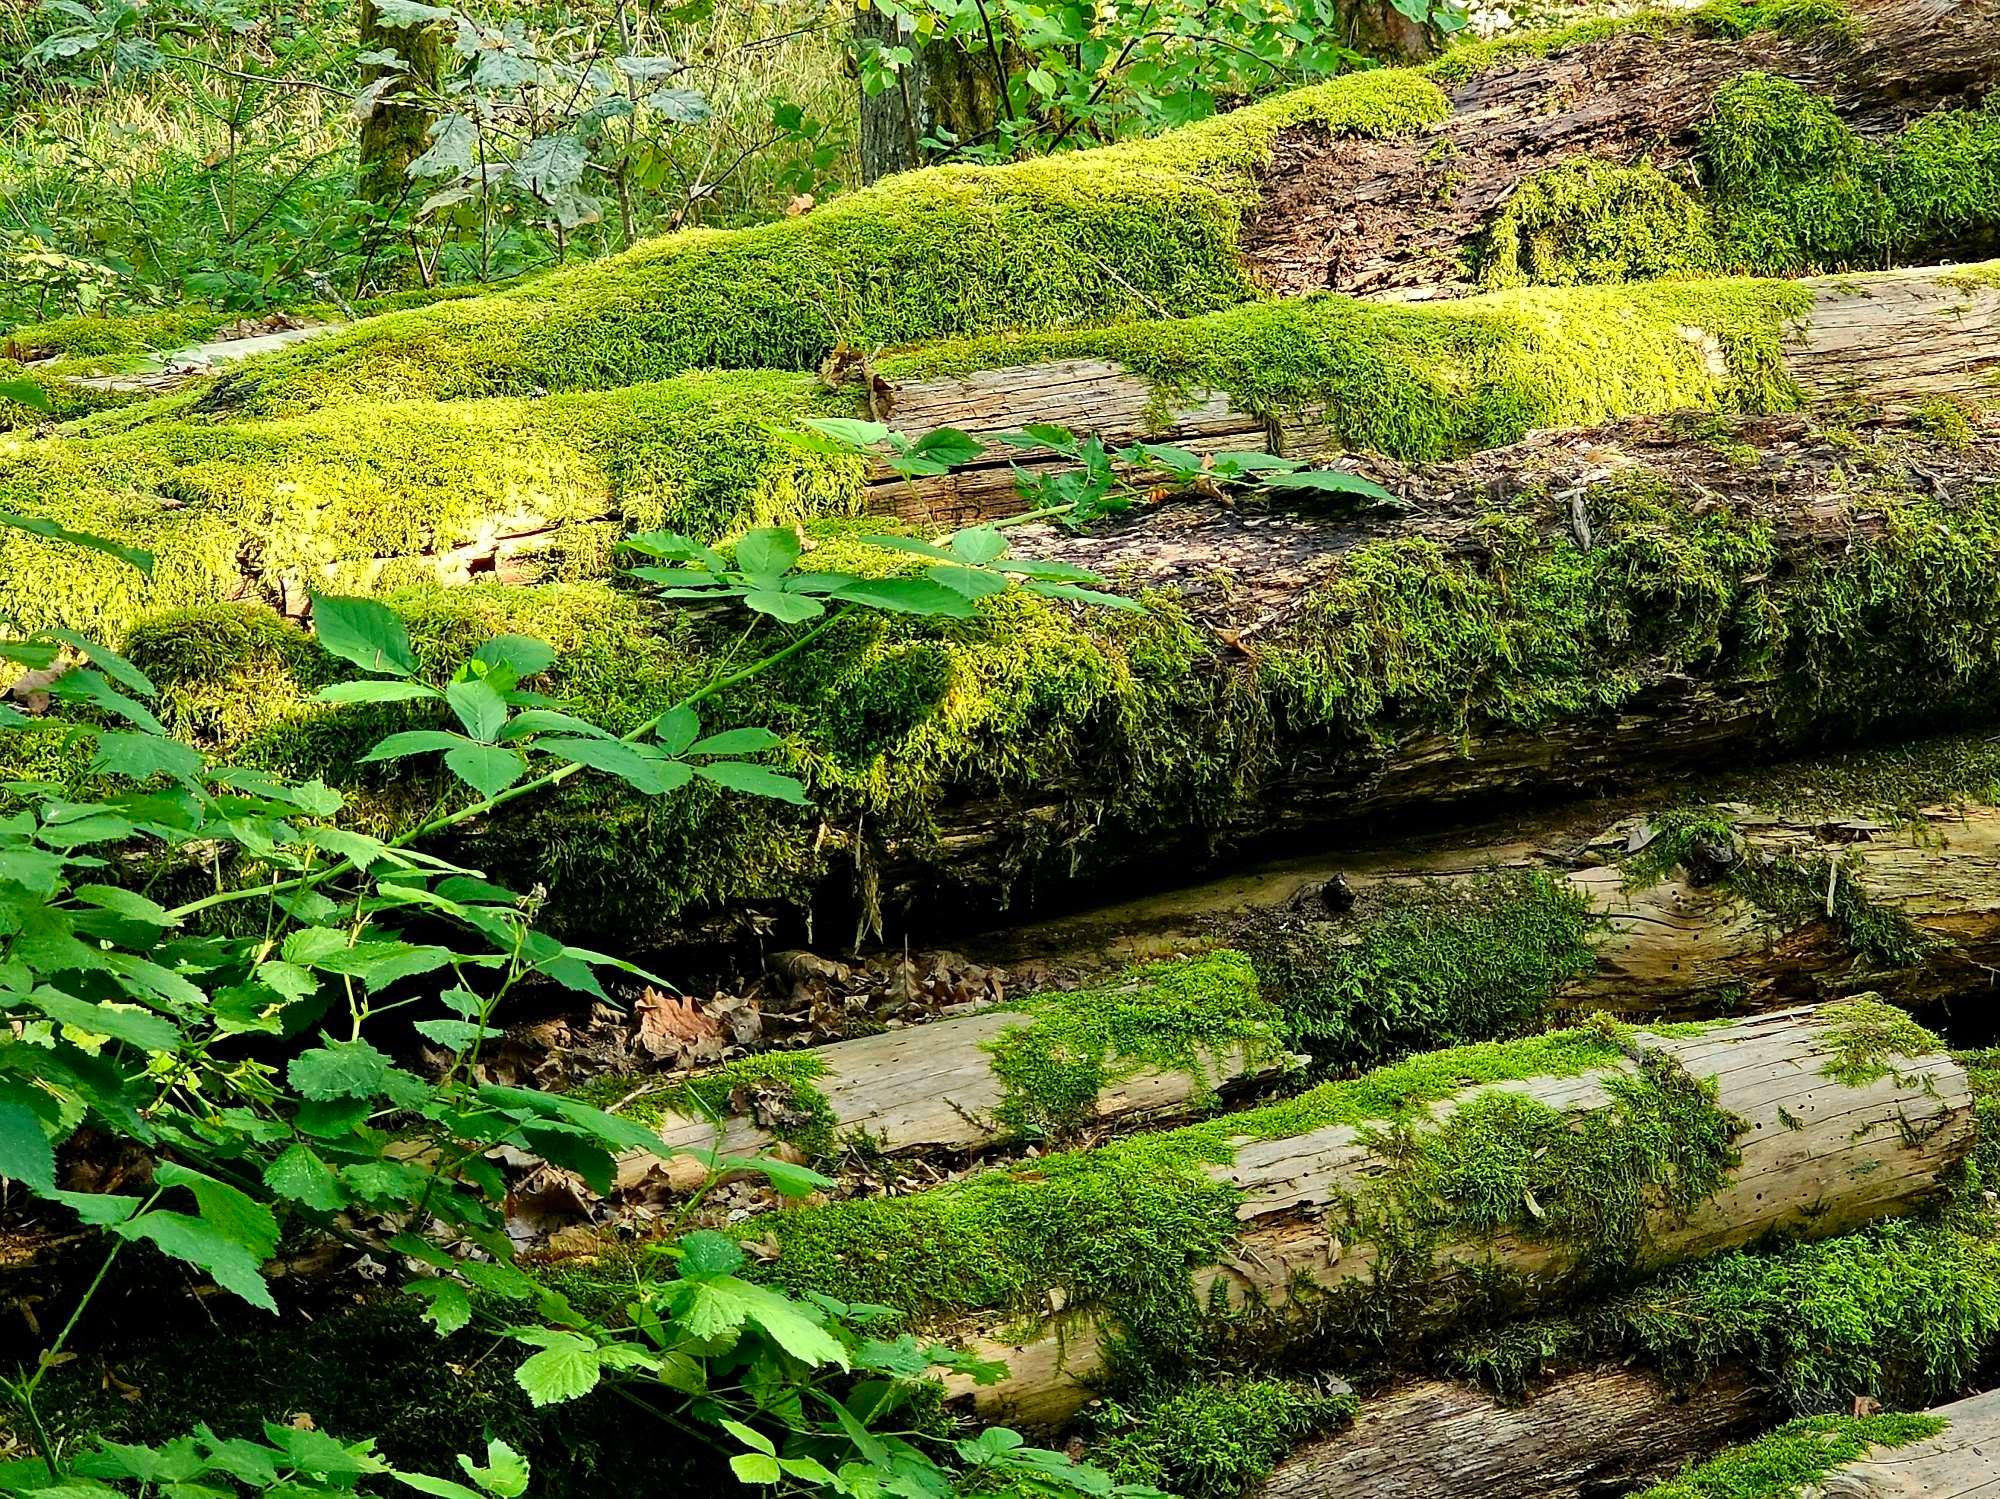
{"x": 1887, "y": 340}
{"x": 1817, "y": 1157}
{"x": 1602, "y": 1431}
{"x": 1392, "y": 218}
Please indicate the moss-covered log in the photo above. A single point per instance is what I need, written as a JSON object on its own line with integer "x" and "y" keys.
{"x": 1320, "y": 379}
{"x": 1601, "y": 1431}
{"x": 1688, "y": 912}
{"x": 1210, "y": 215}
{"x": 1745, "y": 588}
{"x": 1381, "y": 1205}
{"x": 382, "y": 493}
{"x": 1952, "y": 1452}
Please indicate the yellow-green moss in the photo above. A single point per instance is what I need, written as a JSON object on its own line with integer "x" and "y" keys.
{"x": 1793, "y": 188}
{"x": 1193, "y": 1016}
{"x": 1789, "y": 1462}
{"x": 1121, "y": 1227}
{"x": 1143, "y": 229}
{"x": 1589, "y": 221}
{"x": 363, "y": 496}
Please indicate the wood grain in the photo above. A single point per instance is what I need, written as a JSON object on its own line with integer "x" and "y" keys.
{"x": 1817, "y": 1157}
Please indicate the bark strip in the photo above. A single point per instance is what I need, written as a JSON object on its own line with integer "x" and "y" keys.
{"x": 1587, "y": 1434}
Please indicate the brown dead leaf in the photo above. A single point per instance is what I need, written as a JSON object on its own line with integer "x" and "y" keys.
{"x": 670, "y": 1027}
{"x": 800, "y": 203}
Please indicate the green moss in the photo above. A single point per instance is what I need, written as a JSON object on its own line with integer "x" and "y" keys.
{"x": 1430, "y": 381}
{"x": 1827, "y": 19}
{"x": 1794, "y": 189}
{"x": 1904, "y": 1312}
{"x": 1791, "y": 1460}
{"x": 1147, "y": 228}
{"x": 1946, "y": 421}
{"x": 1867, "y": 1037}
{"x": 368, "y": 496}
{"x": 1214, "y": 1440}
{"x": 1594, "y": 221}
{"x": 1435, "y": 964}
{"x": 1120, "y": 1228}
{"x": 1190, "y": 1016}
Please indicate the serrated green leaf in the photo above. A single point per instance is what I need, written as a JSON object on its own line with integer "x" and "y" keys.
{"x": 769, "y": 551}
{"x": 364, "y": 631}
{"x": 414, "y": 742}
{"x": 26, "y": 1154}
{"x": 133, "y": 557}
{"x": 706, "y": 1253}
{"x": 567, "y": 1368}
{"x": 735, "y": 742}
{"x": 138, "y": 757}
{"x": 755, "y": 1467}
{"x": 479, "y": 707}
{"x": 523, "y": 654}
{"x": 300, "y": 1175}
{"x": 505, "y": 1475}
{"x": 447, "y": 1308}
{"x": 203, "y": 1245}
{"x": 126, "y": 1023}
{"x": 230, "y": 1210}
{"x": 488, "y": 769}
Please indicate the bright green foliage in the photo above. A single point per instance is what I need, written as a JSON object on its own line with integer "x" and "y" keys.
{"x": 1794, "y": 188}
{"x": 1145, "y": 228}
{"x": 1212, "y": 1441}
{"x": 1436, "y": 965}
{"x": 1593, "y": 221}
{"x": 1792, "y": 1459}
{"x": 1904, "y": 1311}
{"x": 1188, "y": 1016}
{"x": 1120, "y": 1227}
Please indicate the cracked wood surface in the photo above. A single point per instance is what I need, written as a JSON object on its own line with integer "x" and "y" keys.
{"x": 1817, "y": 1157}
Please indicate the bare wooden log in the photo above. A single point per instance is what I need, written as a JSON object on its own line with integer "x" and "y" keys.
{"x": 1891, "y": 339}
{"x": 1816, "y": 1122}
{"x": 1600, "y": 1431}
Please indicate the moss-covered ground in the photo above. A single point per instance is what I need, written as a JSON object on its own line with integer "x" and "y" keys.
{"x": 1791, "y": 1461}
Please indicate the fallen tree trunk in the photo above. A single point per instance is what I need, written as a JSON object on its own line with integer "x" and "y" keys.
{"x": 1370, "y": 182}
{"x": 1577, "y": 614}
{"x": 1892, "y": 340}
{"x": 1356, "y": 1206}
{"x": 1598, "y": 1432}
{"x": 1719, "y": 908}
{"x": 381, "y": 494}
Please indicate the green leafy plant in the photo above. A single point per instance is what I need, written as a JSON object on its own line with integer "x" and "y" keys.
{"x": 234, "y": 1037}
{"x": 1095, "y": 481}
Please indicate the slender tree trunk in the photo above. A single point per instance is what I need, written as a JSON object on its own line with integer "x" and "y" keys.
{"x": 396, "y": 128}
{"x": 944, "y": 91}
